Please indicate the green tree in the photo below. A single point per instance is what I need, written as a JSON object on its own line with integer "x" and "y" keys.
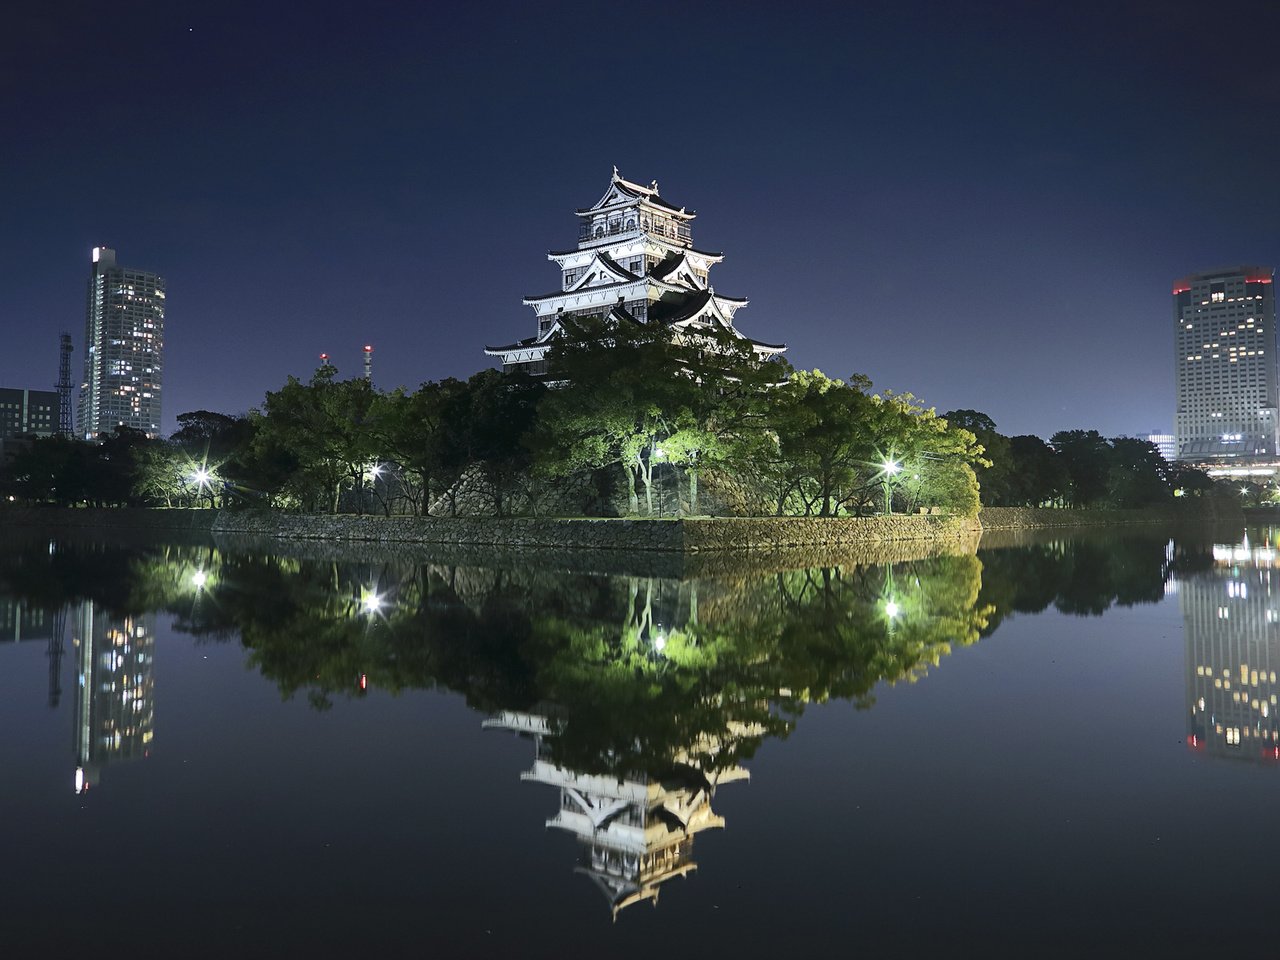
{"x": 491, "y": 423}
{"x": 826, "y": 442}
{"x": 719, "y": 394}
{"x": 613, "y": 406}
{"x": 413, "y": 431}
{"x": 1037, "y": 475}
{"x": 1086, "y": 455}
{"x": 937, "y": 457}
{"x": 325, "y": 425}
{"x": 1138, "y": 474}
{"x": 994, "y": 481}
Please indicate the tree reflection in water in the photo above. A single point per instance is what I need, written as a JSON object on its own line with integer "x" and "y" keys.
{"x": 641, "y": 694}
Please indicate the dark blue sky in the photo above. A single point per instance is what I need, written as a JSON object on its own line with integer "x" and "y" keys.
{"x": 984, "y": 204}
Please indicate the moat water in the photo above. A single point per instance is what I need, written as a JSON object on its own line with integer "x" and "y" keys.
{"x": 1067, "y": 745}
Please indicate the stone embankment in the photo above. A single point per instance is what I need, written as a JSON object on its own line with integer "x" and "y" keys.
{"x": 1033, "y": 518}
{"x": 601, "y": 544}
{"x": 695, "y": 535}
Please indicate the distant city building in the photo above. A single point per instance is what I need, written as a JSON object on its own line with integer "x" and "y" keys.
{"x": 1225, "y": 368}
{"x": 1165, "y": 443}
{"x": 124, "y": 349}
{"x": 26, "y": 412}
{"x": 635, "y": 263}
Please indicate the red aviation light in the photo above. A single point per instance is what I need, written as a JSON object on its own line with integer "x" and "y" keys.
{"x": 1181, "y": 288}
{"x": 368, "y": 349}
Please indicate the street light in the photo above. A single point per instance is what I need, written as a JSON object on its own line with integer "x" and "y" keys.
{"x": 202, "y": 478}
{"x": 891, "y": 468}
{"x": 370, "y": 600}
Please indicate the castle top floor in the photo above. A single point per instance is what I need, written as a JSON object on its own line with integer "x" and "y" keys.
{"x": 630, "y": 210}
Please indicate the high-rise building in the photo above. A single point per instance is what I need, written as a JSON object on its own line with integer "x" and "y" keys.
{"x": 25, "y": 412}
{"x": 635, "y": 263}
{"x": 1225, "y": 366}
{"x": 124, "y": 349}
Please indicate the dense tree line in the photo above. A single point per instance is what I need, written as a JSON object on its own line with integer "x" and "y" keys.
{"x": 1075, "y": 468}
{"x": 631, "y": 420}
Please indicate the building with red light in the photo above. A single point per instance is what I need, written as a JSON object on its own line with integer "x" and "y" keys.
{"x": 1228, "y": 397}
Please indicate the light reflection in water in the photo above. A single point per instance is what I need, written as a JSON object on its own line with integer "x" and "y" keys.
{"x": 1232, "y": 637}
{"x": 641, "y": 695}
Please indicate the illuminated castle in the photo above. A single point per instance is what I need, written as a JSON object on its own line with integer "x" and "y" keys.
{"x": 635, "y": 833}
{"x": 635, "y": 263}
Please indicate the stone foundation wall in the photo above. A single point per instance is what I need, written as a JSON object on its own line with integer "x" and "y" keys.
{"x": 834, "y": 536}
{"x": 679, "y": 536}
{"x": 1030, "y": 518}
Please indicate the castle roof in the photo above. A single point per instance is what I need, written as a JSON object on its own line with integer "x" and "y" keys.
{"x": 716, "y": 256}
{"x": 622, "y": 190}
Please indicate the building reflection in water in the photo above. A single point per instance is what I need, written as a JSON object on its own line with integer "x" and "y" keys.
{"x": 637, "y": 832}
{"x": 21, "y": 621}
{"x": 115, "y": 694}
{"x": 1232, "y": 629}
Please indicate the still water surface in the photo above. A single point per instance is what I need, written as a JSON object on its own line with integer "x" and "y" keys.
{"x": 1067, "y": 747}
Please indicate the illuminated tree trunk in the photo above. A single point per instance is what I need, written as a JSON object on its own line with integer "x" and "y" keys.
{"x": 633, "y": 501}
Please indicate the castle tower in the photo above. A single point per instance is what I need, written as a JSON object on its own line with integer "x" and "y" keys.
{"x": 636, "y": 263}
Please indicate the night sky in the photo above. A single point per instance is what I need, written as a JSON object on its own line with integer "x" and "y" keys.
{"x": 983, "y": 204}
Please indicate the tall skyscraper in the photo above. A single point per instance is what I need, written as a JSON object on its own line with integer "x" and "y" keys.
{"x": 1225, "y": 365}
{"x": 123, "y": 349}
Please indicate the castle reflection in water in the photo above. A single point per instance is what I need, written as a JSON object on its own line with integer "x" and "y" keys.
{"x": 640, "y": 696}
{"x": 1231, "y": 615}
{"x": 635, "y": 832}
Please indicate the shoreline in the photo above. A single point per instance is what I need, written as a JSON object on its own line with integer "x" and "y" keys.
{"x": 564, "y": 537}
